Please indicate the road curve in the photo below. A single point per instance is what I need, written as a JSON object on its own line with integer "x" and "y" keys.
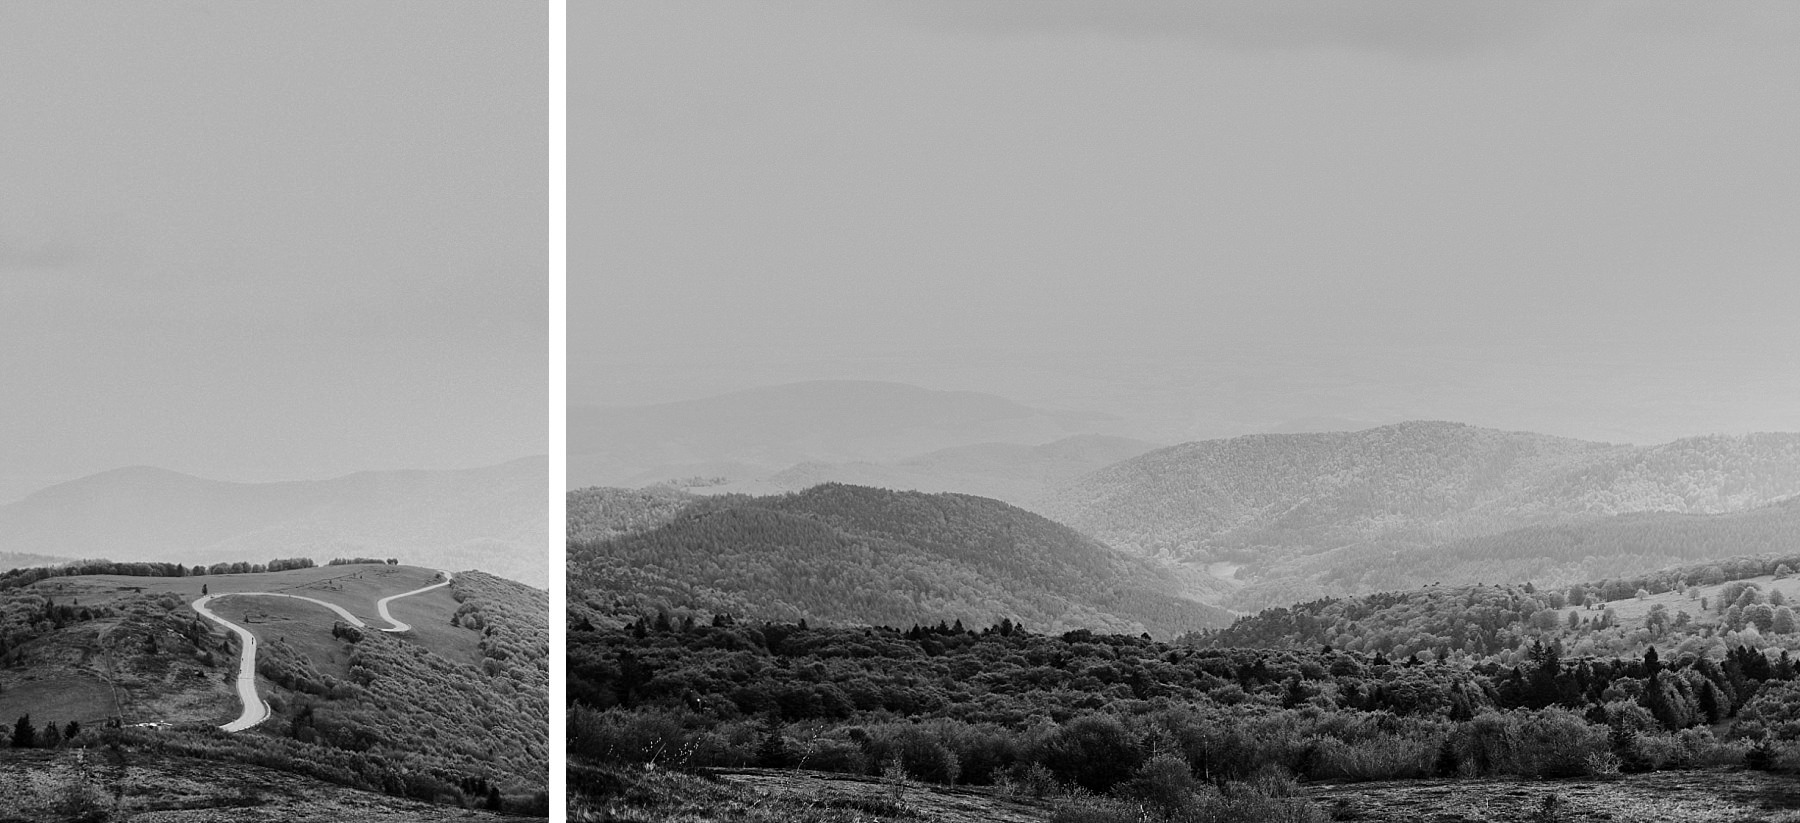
{"x": 256, "y": 710}
{"x": 382, "y": 604}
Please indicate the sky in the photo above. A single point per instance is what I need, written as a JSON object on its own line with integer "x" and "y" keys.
{"x": 271, "y": 241}
{"x": 1569, "y": 217}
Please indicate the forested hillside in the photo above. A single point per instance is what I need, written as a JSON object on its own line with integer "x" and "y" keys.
{"x": 1558, "y": 555}
{"x": 855, "y": 555}
{"x": 1311, "y": 514}
{"x": 599, "y": 512}
{"x": 1703, "y": 609}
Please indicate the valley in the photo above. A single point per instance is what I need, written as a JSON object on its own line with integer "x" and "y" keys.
{"x": 1423, "y": 617}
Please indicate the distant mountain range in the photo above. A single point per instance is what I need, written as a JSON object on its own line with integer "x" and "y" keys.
{"x": 858, "y": 555}
{"x": 492, "y": 518}
{"x": 1298, "y": 515}
{"x": 754, "y": 434}
{"x": 1013, "y": 472}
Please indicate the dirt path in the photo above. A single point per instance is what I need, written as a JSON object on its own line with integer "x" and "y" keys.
{"x": 256, "y": 710}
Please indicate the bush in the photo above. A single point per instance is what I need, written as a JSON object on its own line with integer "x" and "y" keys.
{"x": 1545, "y": 743}
{"x": 1096, "y": 810}
{"x": 1383, "y": 757}
{"x": 1164, "y": 783}
{"x": 1094, "y": 752}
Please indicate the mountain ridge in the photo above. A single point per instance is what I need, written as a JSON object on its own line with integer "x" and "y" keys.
{"x": 1285, "y": 506}
{"x": 491, "y": 516}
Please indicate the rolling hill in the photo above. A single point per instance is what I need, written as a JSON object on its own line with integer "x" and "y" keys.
{"x": 492, "y": 517}
{"x": 1012, "y": 472}
{"x": 1307, "y": 514}
{"x": 856, "y": 555}
{"x": 452, "y": 710}
{"x": 753, "y": 433}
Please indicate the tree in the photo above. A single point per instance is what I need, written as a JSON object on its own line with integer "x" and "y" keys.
{"x": 1783, "y": 621}
{"x": 24, "y": 736}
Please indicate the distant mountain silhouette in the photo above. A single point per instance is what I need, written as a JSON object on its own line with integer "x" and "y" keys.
{"x": 490, "y": 518}
{"x": 857, "y": 555}
{"x": 754, "y": 433}
{"x": 1016, "y": 473}
{"x": 1307, "y": 514}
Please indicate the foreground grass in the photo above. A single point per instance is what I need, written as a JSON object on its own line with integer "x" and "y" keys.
{"x": 629, "y": 794}
{"x": 98, "y": 785}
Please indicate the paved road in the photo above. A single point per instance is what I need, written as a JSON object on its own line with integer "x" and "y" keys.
{"x": 256, "y": 710}
{"x": 382, "y": 604}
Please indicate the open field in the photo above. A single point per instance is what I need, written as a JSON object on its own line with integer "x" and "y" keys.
{"x": 355, "y": 587}
{"x": 143, "y": 665}
{"x": 1700, "y": 796}
{"x": 62, "y": 696}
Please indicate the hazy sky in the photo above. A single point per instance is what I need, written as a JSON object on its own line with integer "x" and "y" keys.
{"x": 1571, "y": 217}
{"x": 270, "y": 241}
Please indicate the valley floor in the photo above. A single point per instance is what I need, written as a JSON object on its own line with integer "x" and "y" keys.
{"x": 633, "y": 795}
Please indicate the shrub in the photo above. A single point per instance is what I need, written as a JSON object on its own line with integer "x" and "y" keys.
{"x": 1164, "y": 783}
{"x": 1094, "y": 752}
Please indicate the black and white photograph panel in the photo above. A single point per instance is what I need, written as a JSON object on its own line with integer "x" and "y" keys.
{"x": 273, "y": 349}
{"x": 1183, "y": 411}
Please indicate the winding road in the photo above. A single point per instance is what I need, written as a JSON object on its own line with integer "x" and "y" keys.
{"x": 256, "y": 709}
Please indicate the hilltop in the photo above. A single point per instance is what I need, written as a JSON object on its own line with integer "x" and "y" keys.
{"x": 1299, "y": 515}
{"x": 851, "y": 554}
{"x": 451, "y": 710}
{"x": 491, "y": 517}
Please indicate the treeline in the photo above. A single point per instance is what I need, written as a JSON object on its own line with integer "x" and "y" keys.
{"x": 16, "y": 578}
{"x": 1130, "y": 717}
{"x": 357, "y": 561}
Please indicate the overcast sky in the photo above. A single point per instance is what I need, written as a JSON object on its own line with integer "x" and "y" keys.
{"x": 1571, "y": 217}
{"x": 270, "y": 241}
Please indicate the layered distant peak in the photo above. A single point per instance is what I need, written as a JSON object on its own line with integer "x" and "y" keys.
{"x": 756, "y": 433}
